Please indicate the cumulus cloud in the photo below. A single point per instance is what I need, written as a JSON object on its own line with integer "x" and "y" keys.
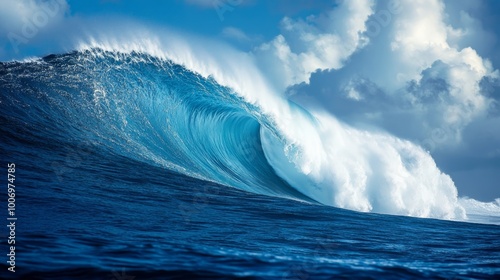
{"x": 318, "y": 42}
{"x": 411, "y": 63}
{"x": 420, "y": 41}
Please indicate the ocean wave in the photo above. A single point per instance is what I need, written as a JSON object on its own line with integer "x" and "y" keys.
{"x": 224, "y": 123}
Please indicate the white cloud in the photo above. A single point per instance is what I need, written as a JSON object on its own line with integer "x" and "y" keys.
{"x": 421, "y": 45}
{"x": 323, "y": 42}
{"x": 412, "y": 65}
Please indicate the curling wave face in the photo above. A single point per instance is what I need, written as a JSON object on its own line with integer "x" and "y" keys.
{"x": 197, "y": 122}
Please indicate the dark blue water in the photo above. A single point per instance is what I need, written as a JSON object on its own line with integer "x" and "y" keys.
{"x": 133, "y": 167}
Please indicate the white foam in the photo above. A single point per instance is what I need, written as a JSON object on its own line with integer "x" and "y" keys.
{"x": 365, "y": 171}
{"x": 481, "y": 212}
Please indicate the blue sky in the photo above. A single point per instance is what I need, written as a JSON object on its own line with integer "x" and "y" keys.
{"x": 259, "y": 20}
{"x": 422, "y": 70}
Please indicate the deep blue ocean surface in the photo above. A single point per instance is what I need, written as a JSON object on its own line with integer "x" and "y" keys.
{"x": 128, "y": 167}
